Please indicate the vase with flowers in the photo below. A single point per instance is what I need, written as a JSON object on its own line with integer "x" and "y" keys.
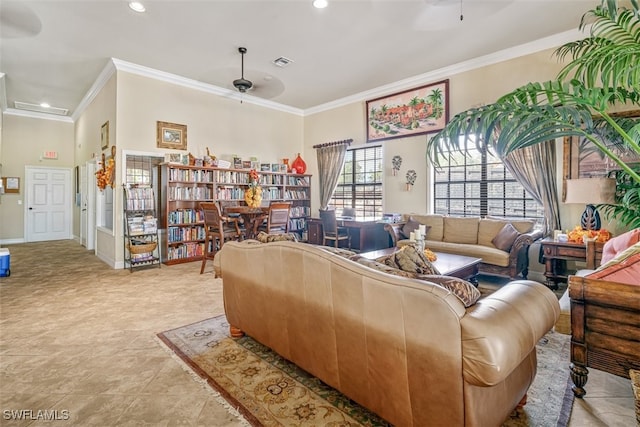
{"x": 253, "y": 194}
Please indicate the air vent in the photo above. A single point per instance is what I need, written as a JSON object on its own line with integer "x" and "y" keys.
{"x": 39, "y": 109}
{"x": 282, "y": 61}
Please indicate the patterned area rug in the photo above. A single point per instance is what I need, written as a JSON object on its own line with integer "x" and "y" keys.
{"x": 268, "y": 390}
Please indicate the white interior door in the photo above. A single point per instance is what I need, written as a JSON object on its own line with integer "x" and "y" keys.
{"x": 48, "y": 204}
{"x": 83, "y": 206}
{"x": 89, "y": 204}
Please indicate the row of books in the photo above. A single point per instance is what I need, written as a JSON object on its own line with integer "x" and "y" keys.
{"x": 300, "y": 211}
{"x": 140, "y": 198}
{"x": 297, "y": 224}
{"x": 190, "y": 193}
{"x": 186, "y": 250}
{"x": 297, "y": 194}
{"x": 185, "y": 216}
{"x": 190, "y": 175}
{"x": 185, "y": 234}
{"x": 230, "y": 177}
{"x": 301, "y": 181}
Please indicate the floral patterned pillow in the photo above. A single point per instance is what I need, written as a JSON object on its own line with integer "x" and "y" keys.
{"x": 465, "y": 291}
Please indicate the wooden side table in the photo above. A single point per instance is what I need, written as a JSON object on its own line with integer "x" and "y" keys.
{"x": 556, "y": 254}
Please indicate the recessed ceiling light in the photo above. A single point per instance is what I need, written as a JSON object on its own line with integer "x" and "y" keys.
{"x": 137, "y": 6}
{"x": 45, "y": 105}
{"x": 320, "y": 4}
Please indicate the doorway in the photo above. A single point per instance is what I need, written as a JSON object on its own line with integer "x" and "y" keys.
{"x": 47, "y": 214}
{"x": 88, "y": 205}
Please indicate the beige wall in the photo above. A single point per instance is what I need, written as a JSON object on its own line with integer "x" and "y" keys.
{"x": 24, "y": 139}
{"x": 468, "y": 89}
{"x": 133, "y": 104}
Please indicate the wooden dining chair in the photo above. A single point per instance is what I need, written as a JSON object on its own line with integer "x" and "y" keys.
{"x": 218, "y": 229}
{"x": 277, "y": 221}
{"x": 331, "y": 231}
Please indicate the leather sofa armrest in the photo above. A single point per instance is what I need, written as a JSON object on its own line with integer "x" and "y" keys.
{"x": 394, "y": 230}
{"x": 500, "y": 330}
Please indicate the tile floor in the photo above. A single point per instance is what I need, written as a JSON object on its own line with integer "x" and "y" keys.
{"x": 79, "y": 338}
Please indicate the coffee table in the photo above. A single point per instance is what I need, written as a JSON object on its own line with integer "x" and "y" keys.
{"x": 462, "y": 267}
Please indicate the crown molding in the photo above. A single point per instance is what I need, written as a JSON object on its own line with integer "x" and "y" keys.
{"x": 446, "y": 72}
{"x": 200, "y": 86}
{"x": 95, "y": 89}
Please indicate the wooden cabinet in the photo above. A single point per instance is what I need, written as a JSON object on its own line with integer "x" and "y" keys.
{"x": 140, "y": 228}
{"x": 556, "y": 254}
{"x": 184, "y": 187}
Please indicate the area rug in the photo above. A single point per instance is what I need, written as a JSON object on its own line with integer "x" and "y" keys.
{"x": 268, "y": 390}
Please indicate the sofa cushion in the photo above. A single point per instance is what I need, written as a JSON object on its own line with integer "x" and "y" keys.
{"x": 344, "y": 253}
{"x": 489, "y": 255}
{"x": 522, "y": 225}
{"x": 266, "y": 238}
{"x": 435, "y": 223}
{"x": 619, "y": 244}
{"x": 461, "y": 230}
{"x": 465, "y": 291}
{"x": 624, "y": 268}
{"x": 505, "y": 237}
{"x": 409, "y": 258}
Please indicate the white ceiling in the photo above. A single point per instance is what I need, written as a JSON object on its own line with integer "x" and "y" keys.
{"x": 53, "y": 50}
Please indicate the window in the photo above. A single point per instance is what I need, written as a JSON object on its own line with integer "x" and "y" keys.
{"x": 478, "y": 184}
{"x": 360, "y": 183}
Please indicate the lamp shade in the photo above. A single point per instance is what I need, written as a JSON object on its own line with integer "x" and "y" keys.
{"x": 591, "y": 190}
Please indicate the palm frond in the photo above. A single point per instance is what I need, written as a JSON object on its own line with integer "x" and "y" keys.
{"x": 610, "y": 56}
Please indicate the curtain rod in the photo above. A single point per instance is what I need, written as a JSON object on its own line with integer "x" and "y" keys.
{"x": 329, "y": 144}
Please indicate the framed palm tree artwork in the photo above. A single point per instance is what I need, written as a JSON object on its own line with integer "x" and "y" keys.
{"x": 416, "y": 111}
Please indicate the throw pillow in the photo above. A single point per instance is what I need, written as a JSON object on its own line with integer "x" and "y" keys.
{"x": 338, "y": 251}
{"x": 465, "y": 291}
{"x": 409, "y": 258}
{"x": 266, "y": 238}
{"x": 381, "y": 267}
{"x": 410, "y": 226}
{"x": 505, "y": 237}
{"x": 619, "y": 244}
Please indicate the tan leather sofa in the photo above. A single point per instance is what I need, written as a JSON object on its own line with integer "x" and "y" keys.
{"x": 407, "y": 349}
{"x": 473, "y": 236}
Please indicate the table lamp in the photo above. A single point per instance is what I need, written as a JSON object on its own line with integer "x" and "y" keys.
{"x": 591, "y": 191}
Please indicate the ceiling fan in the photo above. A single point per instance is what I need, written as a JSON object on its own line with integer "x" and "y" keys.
{"x": 242, "y": 84}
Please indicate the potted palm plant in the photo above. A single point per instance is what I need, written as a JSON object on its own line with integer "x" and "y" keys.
{"x": 604, "y": 71}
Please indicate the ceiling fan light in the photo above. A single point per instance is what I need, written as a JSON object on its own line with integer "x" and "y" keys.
{"x": 320, "y": 4}
{"x": 242, "y": 85}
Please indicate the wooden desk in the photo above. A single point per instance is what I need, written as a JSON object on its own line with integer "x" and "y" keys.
{"x": 366, "y": 235}
{"x": 252, "y": 217}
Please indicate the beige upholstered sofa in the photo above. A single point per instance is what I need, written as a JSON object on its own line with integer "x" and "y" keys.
{"x": 475, "y": 237}
{"x": 407, "y": 349}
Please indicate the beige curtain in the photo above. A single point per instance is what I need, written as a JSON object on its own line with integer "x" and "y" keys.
{"x": 535, "y": 168}
{"x": 330, "y": 158}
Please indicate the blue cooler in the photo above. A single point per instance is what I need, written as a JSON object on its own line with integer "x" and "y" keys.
{"x": 5, "y": 260}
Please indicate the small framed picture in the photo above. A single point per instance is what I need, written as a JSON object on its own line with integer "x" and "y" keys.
{"x": 104, "y": 135}
{"x": 171, "y": 135}
{"x": 173, "y": 158}
{"x": 283, "y": 168}
{"x": 255, "y": 164}
{"x": 246, "y": 164}
{"x": 275, "y": 167}
{"x": 265, "y": 167}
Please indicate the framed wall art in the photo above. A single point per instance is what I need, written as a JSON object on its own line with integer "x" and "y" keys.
{"x": 104, "y": 135}
{"x": 171, "y": 135}
{"x": 583, "y": 159}
{"x": 412, "y": 112}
